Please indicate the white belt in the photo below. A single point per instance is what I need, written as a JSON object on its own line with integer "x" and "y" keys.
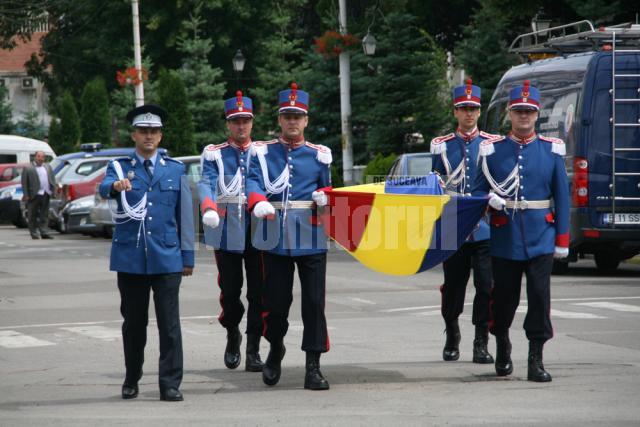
{"x": 528, "y": 204}
{"x": 295, "y": 204}
{"x": 233, "y": 199}
{"x": 455, "y": 193}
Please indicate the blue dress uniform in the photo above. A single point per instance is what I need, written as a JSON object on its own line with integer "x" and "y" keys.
{"x": 222, "y": 189}
{"x": 286, "y": 174}
{"x": 153, "y": 241}
{"x": 455, "y": 160}
{"x": 530, "y": 174}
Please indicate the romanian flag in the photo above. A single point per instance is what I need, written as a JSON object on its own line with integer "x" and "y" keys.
{"x": 397, "y": 230}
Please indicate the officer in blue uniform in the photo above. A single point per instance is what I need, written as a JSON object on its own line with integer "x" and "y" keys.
{"x": 285, "y": 183}
{"x": 529, "y": 199}
{"x": 227, "y": 224}
{"x": 152, "y": 248}
{"x": 456, "y": 161}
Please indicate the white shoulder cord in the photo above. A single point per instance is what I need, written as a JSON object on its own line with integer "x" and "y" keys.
{"x": 457, "y": 176}
{"x": 507, "y": 188}
{"x": 234, "y": 187}
{"x": 137, "y": 212}
{"x": 279, "y": 184}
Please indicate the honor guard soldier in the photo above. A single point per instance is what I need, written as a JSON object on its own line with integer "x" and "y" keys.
{"x": 529, "y": 199}
{"x": 152, "y": 248}
{"x": 227, "y": 225}
{"x": 455, "y": 160}
{"x": 285, "y": 185}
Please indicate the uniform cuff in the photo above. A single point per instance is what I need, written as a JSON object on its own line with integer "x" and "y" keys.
{"x": 206, "y": 204}
{"x": 255, "y": 198}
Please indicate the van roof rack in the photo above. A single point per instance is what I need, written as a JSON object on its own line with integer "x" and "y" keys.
{"x": 580, "y": 36}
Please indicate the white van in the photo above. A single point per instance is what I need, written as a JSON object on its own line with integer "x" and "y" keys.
{"x": 18, "y": 149}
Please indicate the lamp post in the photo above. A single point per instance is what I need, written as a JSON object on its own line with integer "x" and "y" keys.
{"x": 540, "y": 23}
{"x": 137, "y": 57}
{"x": 238, "y": 62}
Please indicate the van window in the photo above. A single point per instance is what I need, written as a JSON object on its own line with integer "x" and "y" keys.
{"x": 8, "y": 158}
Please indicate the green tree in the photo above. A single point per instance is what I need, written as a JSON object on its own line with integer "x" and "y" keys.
{"x": 6, "y": 125}
{"x": 398, "y": 94}
{"x": 31, "y": 126}
{"x": 64, "y": 135}
{"x": 378, "y": 167}
{"x": 94, "y": 113}
{"x": 280, "y": 59}
{"x": 178, "y": 129}
{"x": 205, "y": 90}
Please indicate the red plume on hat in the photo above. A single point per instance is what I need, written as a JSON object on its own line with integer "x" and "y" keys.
{"x": 239, "y": 102}
{"x": 294, "y": 91}
{"x": 525, "y": 88}
{"x": 469, "y": 82}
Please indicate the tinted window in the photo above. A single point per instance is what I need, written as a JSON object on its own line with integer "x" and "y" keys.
{"x": 87, "y": 168}
{"x": 8, "y": 158}
{"x": 419, "y": 165}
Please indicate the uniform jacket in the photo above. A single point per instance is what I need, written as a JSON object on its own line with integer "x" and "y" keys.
{"x": 31, "y": 181}
{"x": 456, "y": 161}
{"x": 293, "y": 231}
{"x": 537, "y": 169}
{"x": 235, "y": 220}
{"x": 164, "y": 241}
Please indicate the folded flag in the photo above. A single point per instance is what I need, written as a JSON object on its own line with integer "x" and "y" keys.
{"x": 399, "y": 228}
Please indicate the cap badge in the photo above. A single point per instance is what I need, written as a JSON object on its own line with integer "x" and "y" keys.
{"x": 524, "y": 99}
{"x": 148, "y": 117}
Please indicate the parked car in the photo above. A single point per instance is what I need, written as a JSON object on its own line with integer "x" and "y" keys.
{"x": 18, "y": 149}
{"x": 603, "y": 149}
{"x": 76, "y": 217}
{"x": 11, "y": 205}
{"x": 9, "y": 172}
{"x": 412, "y": 164}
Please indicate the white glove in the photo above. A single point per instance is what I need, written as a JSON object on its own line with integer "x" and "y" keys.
{"x": 320, "y": 198}
{"x": 561, "y": 252}
{"x": 211, "y": 218}
{"x": 263, "y": 209}
{"x": 496, "y": 202}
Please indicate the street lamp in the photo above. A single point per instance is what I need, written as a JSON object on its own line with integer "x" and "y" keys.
{"x": 369, "y": 44}
{"x": 238, "y": 62}
{"x": 540, "y": 23}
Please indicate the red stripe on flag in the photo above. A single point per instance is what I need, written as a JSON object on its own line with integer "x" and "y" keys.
{"x": 346, "y": 219}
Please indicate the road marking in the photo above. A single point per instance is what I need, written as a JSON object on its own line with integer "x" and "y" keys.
{"x": 565, "y": 314}
{"x": 99, "y": 332}
{"x": 428, "y": 313}
{"x": 612, "y": 306}
{"x": 593, "y": 299}
{"x": 13, "y": 339}
{"x": 101, "y": 322}
{"x": 396, "y": 310}
{"x": 364, "y": 301}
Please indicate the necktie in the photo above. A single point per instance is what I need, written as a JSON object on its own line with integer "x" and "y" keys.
{"x": 148, "y": 167}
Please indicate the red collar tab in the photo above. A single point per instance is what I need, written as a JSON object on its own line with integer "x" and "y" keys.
{"x": 232, "y": 142}
{"x": 523, "y": 139}
{"x": 467, "y": 136}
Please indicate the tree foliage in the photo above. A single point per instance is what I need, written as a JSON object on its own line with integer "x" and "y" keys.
{"x": 95, "y": 122}
{"x": 6, "y": 125}
{"x": 64, "y": 131}
{"x": 178, "y": 128}
{"x": 31, "y": 125}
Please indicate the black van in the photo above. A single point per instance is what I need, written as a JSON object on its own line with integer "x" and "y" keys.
{"x": 595, "y": 109}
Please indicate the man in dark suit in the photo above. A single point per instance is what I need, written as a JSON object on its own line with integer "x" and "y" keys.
{"x": 38, "y": 185}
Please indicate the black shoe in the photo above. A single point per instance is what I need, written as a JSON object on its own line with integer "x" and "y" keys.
{"x": 47, "y": 236}
{"x": 272, "y": 367}
{"x": 480, "y": 352}
{"x": 35, "y": 237}
{"x": 171, "y": 395}
{"x": 535, "y": 371}
{"x": 253, "y": 363}
{"x": 313, "y": 379}
{"x": 232, "y": 351}
{"x": 451, "y": 350}
{"x": 129, "y": 391}
{"x": 504, "y": 365}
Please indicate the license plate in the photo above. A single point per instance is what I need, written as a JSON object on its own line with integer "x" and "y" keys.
{"x": 622, "y": 218}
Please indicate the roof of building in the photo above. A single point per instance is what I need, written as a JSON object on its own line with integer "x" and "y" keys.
{"x": 13, "y": 60}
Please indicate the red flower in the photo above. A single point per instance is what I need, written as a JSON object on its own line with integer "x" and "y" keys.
{"x": 130, "y": 76}
{"x": 332, "y": 43}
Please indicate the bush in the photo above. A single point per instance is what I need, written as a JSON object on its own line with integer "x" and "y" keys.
{"x": 378, "y": 166}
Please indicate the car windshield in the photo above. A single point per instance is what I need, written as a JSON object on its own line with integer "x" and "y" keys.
{"x": 419, "y": 165}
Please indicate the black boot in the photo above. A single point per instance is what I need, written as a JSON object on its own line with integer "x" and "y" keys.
{"x": 253, "y": 363}
{"x": 536, "y": 370}
{"x": 480, "y": 352}
{"x": 504, "y": 365}
{"x": 313, "y": 379}
{"x": 271, "y": 370}
{"x": 451, "y": 346}
{"x": 232, "y": 351}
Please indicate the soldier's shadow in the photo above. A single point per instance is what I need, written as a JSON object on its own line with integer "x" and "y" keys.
{"x": 292, "y": 378}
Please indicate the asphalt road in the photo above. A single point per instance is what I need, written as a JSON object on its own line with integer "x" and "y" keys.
{"x": 61, "y": 355}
